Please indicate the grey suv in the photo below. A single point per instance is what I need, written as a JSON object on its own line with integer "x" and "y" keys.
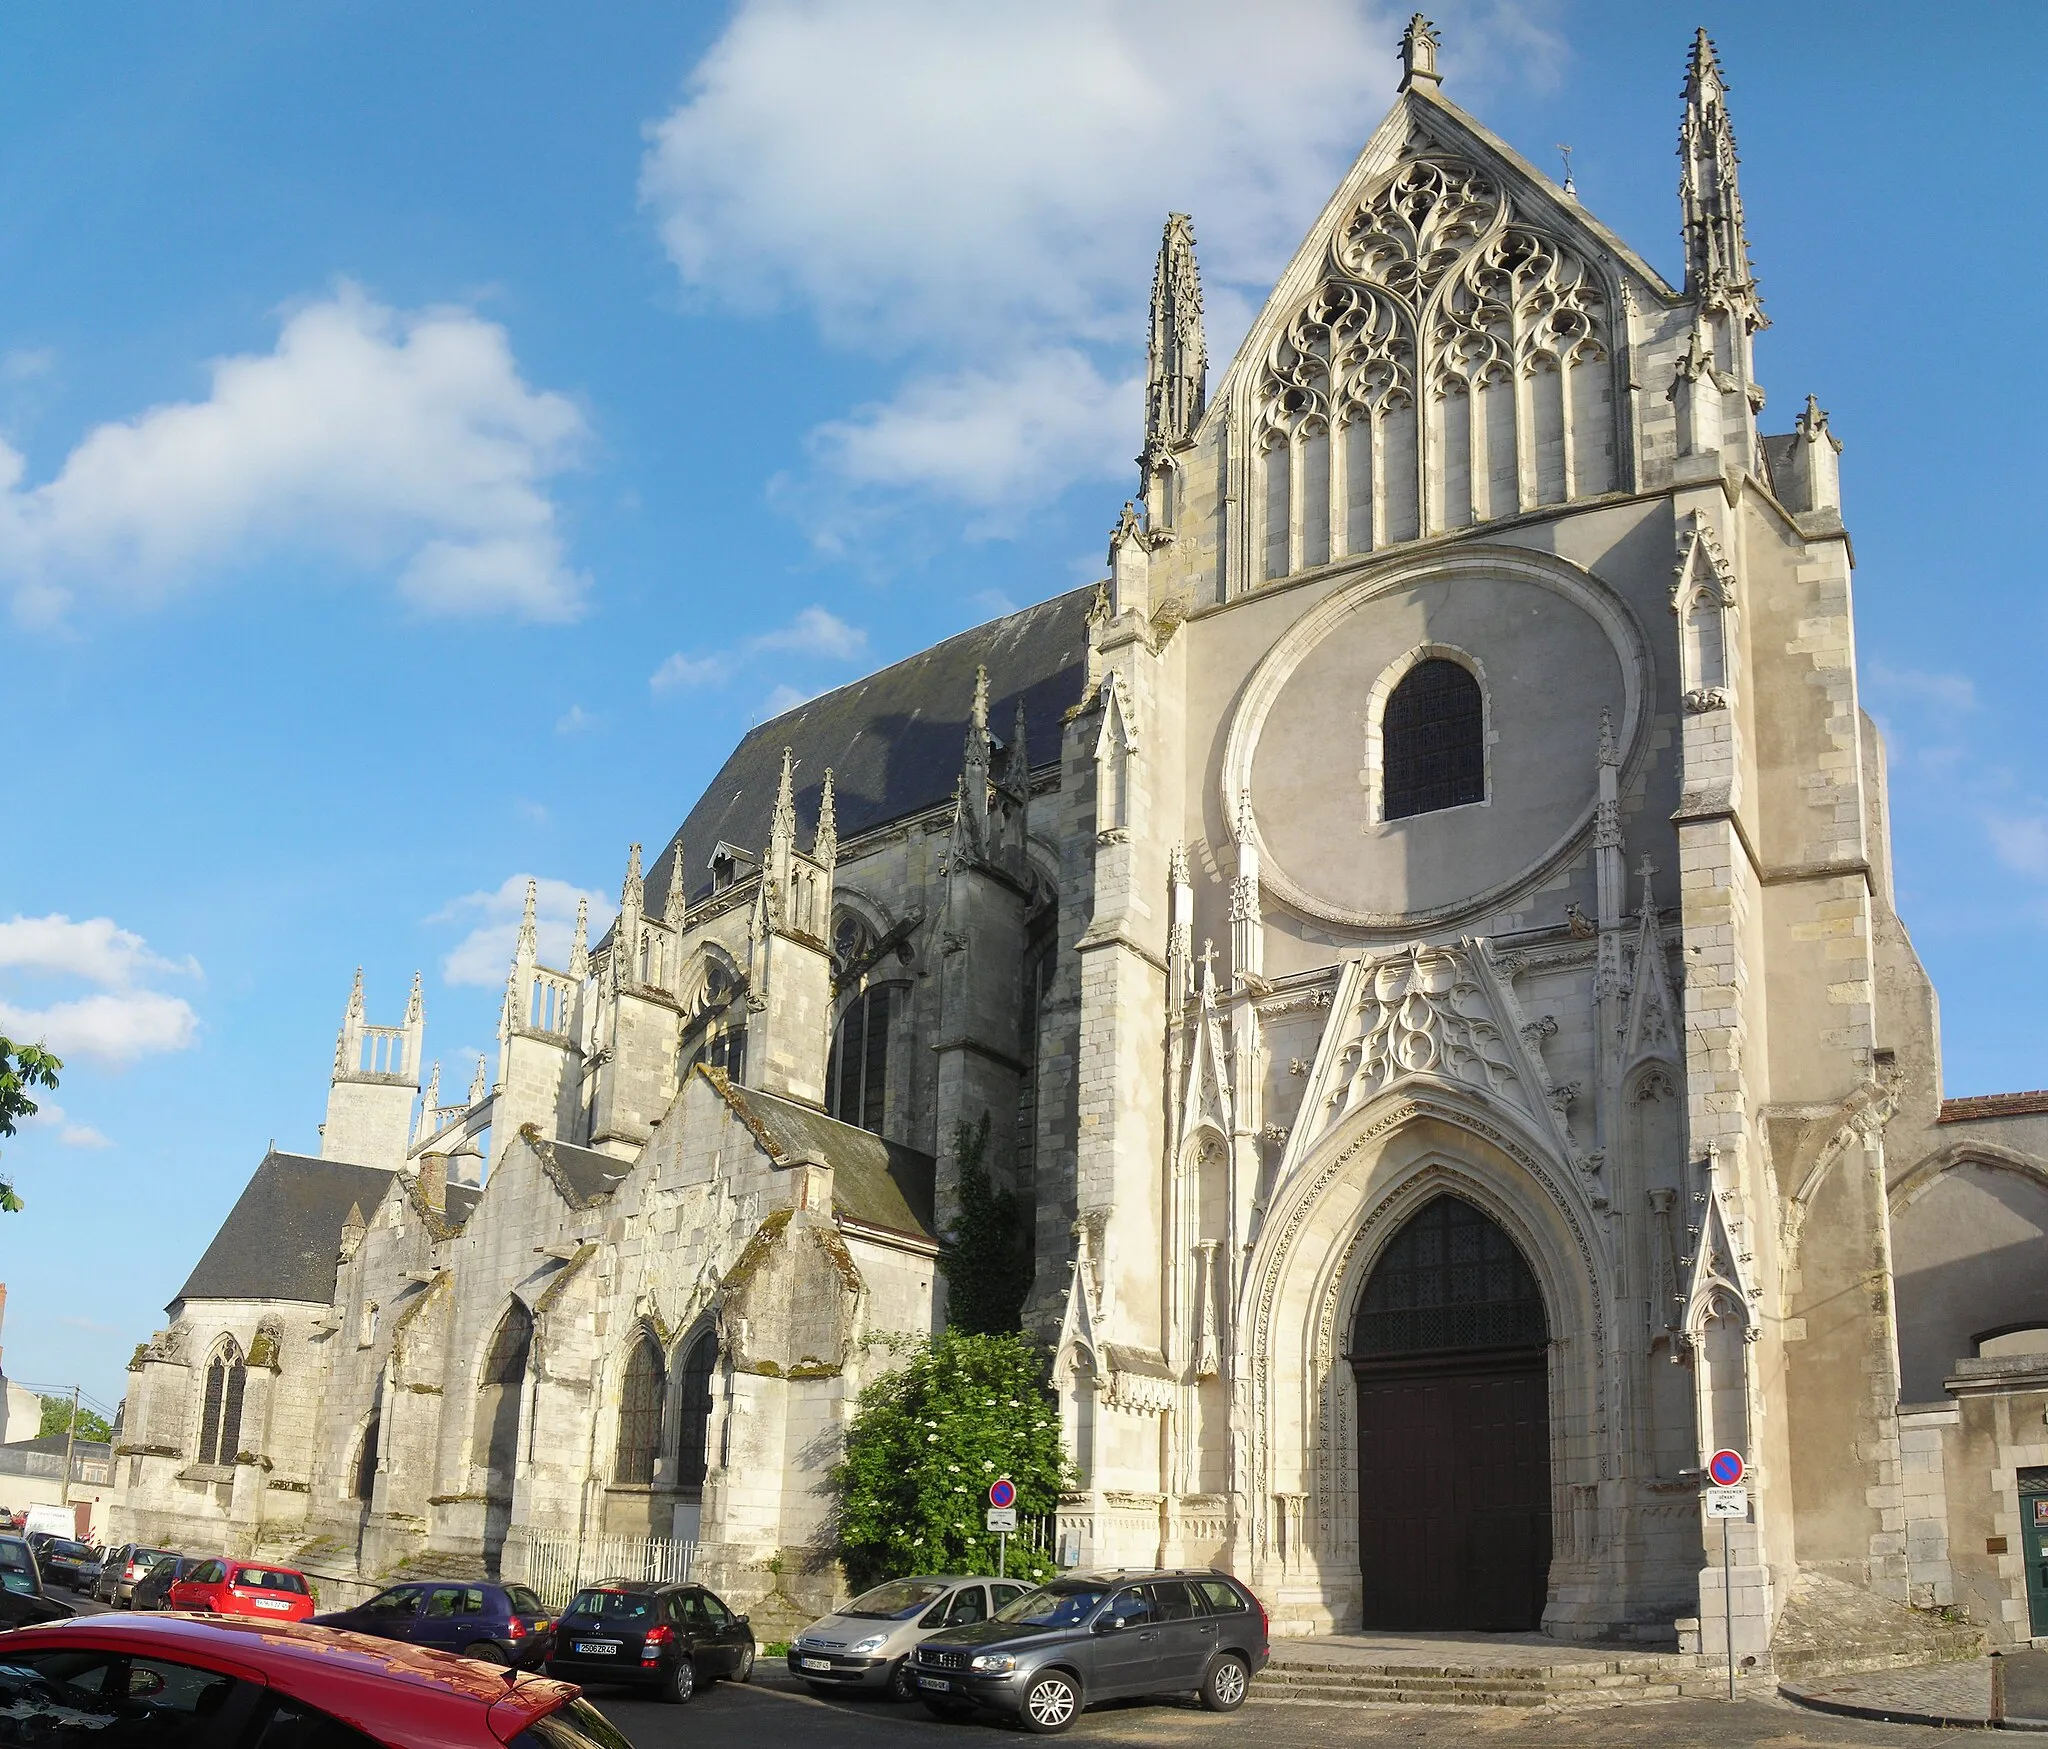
{"x": 1099, "y": 1636}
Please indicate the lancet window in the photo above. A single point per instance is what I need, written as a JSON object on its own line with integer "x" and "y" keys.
{"x": 857, "y": 1073}
{"x": 693, "y": 1430}
{"x": 499, "y": 1389}
{"x": 1433, "y": 741}
{"x": 640, "y": 1413}
{"x": 220, "y": 1413}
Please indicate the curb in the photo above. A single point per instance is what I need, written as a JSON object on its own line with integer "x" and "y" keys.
{"x": 1895, "y": 1715}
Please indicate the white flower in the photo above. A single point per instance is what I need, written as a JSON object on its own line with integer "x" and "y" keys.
{"x": 987, "y": 1464}
{"x": 931, "y": 1439}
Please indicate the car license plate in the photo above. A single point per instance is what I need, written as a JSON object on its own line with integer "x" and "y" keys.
{"x": 595, "y": 1648}
{"x": 933, "y": 1682}
{"x": 271, "y": 1603}
{"x": 817, "y": 1663}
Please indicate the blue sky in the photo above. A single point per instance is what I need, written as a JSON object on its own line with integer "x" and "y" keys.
{"x": 434, "y": 433}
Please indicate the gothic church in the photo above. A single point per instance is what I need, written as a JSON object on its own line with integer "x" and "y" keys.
{"x": 1422, "y": 934}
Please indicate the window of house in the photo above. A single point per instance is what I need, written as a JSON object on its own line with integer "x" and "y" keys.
{"x": 1433, "y": 741}
{"x": 220, "y": 1415}
{"x": 857, "y": 1075}
{"x": 640, "y": 1414}
{"x": 694, "y": 1420}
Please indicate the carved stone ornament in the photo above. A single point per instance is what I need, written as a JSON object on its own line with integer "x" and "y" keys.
{"x": 1706, "y": 698}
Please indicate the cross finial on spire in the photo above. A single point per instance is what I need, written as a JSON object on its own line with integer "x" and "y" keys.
{"x": 1207, "y": 957}
{"x": 1646, "y": 869}
{"x": 1419, "y": 45}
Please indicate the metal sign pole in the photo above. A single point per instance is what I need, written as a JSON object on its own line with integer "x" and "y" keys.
{"x": 1728, "y": 1606}
{"x": 1002, "y": 1554}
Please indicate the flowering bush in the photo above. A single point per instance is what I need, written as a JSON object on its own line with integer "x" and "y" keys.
{"x": 925, "y": 1444}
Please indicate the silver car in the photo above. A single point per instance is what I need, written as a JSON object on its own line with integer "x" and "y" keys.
{"x": 867, "y": 1643}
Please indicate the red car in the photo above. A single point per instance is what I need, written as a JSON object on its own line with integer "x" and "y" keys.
{"x": 252, "y": 1588}
{"x": 103, "y": 1680}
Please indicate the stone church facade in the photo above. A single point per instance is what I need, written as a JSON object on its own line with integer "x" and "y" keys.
{"x": 1422, "y": 935}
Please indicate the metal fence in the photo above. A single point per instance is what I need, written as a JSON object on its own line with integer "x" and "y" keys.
{"x": 555, "y": 1563}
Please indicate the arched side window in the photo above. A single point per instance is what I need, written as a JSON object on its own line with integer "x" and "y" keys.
{"x": 1432, "y": 740}
{"x": 640, "y": 1413}
{"x": 366, "y": 1461}
{"x": 499, "y": 1389}
{"x": 693, "y": 1434}
{"x": 220, "y": 1415}
{"x": 857, "y": 1074}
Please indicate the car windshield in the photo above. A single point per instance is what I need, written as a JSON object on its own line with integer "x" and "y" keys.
{"x": 1066, "y": 1604}
{"x": 579, "y": 1725}
{"x": 523, "y": 1601}
{"x": 67, "y": 1551}
{"x": 897, "y": 1599}
{"x": 149, "y": 1557}
{"x": 613, "y": 1605}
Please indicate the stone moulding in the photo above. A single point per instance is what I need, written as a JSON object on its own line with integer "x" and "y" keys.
{"x": 1294, "y": 646}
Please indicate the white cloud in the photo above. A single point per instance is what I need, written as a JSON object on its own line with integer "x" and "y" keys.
{"x": 69, "y": 1134}
{"x": 2021, "y": 841}
{"x": 97, "y": 949}
{"x": 997, "y": 441}
{"x": 815, "y": 632}
{"x": 784, "y": 698}
{"x": 955, "y": 182}
{"x": 123, "y": 1020}
{"x": 1953, "y": 694}
{"x": 484, "y": 955}
{"x": 116, "y": 1026}
{"x": 382, "y": 438}
{"x": 681, "y": 671}
{"x": 574, "y": 721}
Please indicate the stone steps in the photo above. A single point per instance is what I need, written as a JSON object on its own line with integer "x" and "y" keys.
{"x": 1605, "y": 1683}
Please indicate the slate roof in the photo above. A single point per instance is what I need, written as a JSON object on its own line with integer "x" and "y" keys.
{"x": 584, "y": 1175}
{"x": 877, "y": 1183}
{"x": 282, "y": 1239}
{"x": 893, "y": 740}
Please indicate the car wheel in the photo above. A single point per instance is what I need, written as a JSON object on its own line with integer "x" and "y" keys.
{"x": 902, "y": 1681}
{"x": 1224, "y": 1683}
{"x": 1051, "y": 1703}
{"x": 680, "y": 1683}
{"x": 743, "y": 1671}
{"x": 486, "y": 1652}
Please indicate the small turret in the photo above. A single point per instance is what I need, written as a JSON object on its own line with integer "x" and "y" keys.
{"x": 825, "y": 847}
{"x": 376, "y": 1080}
{"x": 1419, "y": 45}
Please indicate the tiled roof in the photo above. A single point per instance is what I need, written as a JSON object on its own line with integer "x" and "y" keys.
{"x": 877, "y": 1183}
{"x": 1995, "y": 1105}
{"x": 282, "y": 1239}
{"x": 893, "y": 740}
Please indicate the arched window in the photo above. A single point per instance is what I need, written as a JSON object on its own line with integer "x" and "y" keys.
{"x": 640, "y": 1413}
{"x": 498, "y": 1392}
{"x": 1452, "y": 1279}
{"x": 693, "y": 1438}
{"x": 1433, "y": 741}
{"x": 220, "y": 1416}
{"x": 715, "y": 1024}
{"x": 857, "y": 1075}
{"x": 366, "y": 1460}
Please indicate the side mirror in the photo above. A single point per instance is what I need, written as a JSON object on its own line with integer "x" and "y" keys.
{"x": 1109, "y": 1624}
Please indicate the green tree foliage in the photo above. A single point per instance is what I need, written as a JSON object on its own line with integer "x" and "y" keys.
{"x": 988, "y": 1264}
{"x": 22, "y": 1068}
{"x": 57, "y": 1416}
{"x": 925, "y": 1444}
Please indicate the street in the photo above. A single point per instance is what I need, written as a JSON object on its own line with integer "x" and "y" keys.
{"x": 771, "y": 1713}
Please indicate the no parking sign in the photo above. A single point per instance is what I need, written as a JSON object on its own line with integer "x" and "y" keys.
{"x": 1002, "y": 1492}
{"x": 1726, "y": 1467}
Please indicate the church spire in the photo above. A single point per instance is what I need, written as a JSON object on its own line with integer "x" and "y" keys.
{"x": 825, "y": 847}
{"x": 626, "y": 933}
{"x": 1717, "y": 270}
{"x": 1176, "y": 354}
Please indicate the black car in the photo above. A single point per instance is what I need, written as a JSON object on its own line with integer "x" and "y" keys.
{"x": 667, "y": 1637}
{"x": 152, "y": 1590}
{"x": 1099, "y": 1636}
{"x": 23, "y": 1598}
{"x": 497, "y": 1623}
{"x": 65, "y": 1561}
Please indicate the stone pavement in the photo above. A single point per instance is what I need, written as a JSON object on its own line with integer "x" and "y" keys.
{"x": 1935, "y": 1694}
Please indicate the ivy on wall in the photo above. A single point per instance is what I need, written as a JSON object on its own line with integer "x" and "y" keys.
{"x": 988, "y": 1265}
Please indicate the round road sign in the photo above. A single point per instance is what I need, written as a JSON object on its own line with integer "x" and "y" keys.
{"x": 1003, "y": 1492}
{"x": 1726, "y": 1467}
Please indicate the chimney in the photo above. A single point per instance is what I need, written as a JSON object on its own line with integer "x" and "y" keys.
{"x": 434, "y": 1182}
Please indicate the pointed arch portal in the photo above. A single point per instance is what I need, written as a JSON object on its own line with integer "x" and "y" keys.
{"x": 1449, "y": 1349}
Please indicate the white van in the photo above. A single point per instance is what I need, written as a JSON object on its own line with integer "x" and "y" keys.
{"x": 57, "y": 1520}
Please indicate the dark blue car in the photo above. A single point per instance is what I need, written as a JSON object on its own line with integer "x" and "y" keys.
{"x": 497, "y": 1623}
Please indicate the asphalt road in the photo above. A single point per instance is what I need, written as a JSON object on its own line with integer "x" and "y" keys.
{"x": 771, "y": 1713}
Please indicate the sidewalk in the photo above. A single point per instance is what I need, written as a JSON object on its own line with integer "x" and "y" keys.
{"x": 1934, "y": 1694}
